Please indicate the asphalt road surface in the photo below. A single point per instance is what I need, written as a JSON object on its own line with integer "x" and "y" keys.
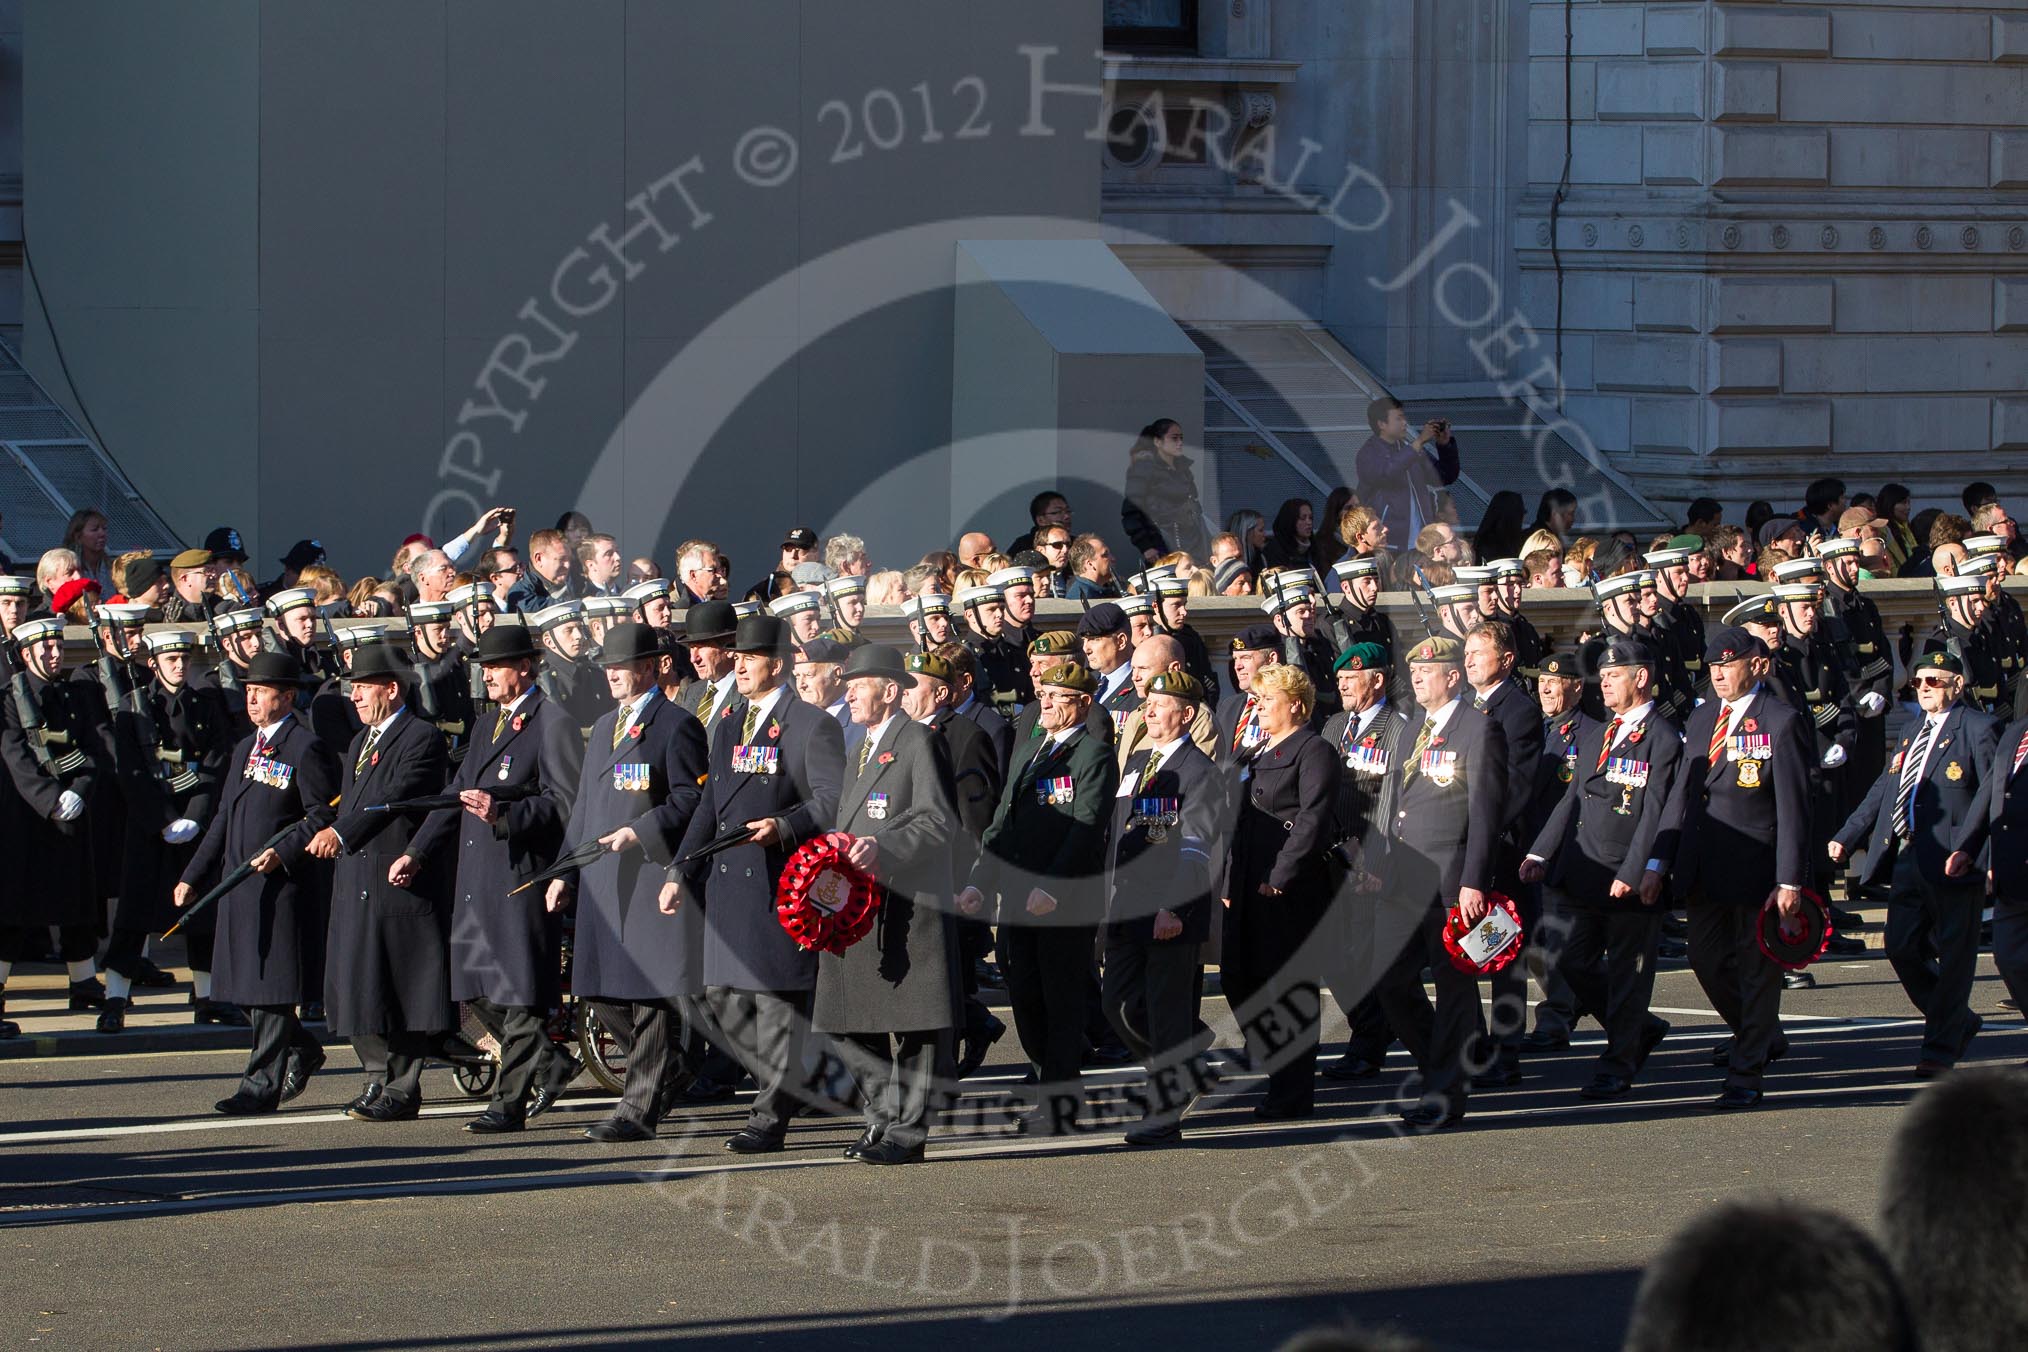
{"x": 134, "y": 1217}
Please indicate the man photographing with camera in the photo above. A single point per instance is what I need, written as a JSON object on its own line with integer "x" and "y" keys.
{"x": 1399, "y": 475}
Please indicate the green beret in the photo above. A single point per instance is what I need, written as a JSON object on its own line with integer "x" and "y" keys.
{"x": 1180, "y": 684}
{"x": 1446, "y": 650}
{"x": 1361, "y": 657}
{"x": 1052, "y": 644}
{"x": 928, "y": 664}
{"x": 1069, "y": 676}
{"x": 1940, "y": 660}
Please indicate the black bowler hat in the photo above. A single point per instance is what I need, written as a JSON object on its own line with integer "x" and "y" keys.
{"x": 506, "y": 643}
{"x": 710, "y": 622}
{"x": 762, "y": 634}
{"x": 629, "y": 642}
{"x": 269, "y": 668}
{"x": 876, "y": 659}
{"x": 379, "y": 659}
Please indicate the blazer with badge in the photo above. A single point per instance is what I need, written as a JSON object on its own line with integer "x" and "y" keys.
{"x": 1739, "y": 825}
{"x": 1049, "y": 832}
{"x": 1946, "y": 797}
{"x": 2000, "y": 817}
{"x": 389, "y": 962}
{"x": 792, "y": 771}
{"x": 1449, "y": 806}
{"x": 623, "y": 947}
{"x": 903, "y": 976}
{"x": 1165, "y": 847}
{"x": 270, "y": 946}
{"x": 1604, "y": 827}
{"x": 504, "y": 948}
{"x": 1558, "y": 766}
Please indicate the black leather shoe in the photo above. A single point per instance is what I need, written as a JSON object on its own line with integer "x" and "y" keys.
{"x": 297, "y": 1078}
{"x": 220, "y": 1013}
{"x": 113, "y": 1018}
{"x": 1843, "y": 947}
{"x": 618, "y": 1131}
{"x": 1842, "y": 919}
{"x": 1109, "y": 1054}
{"x": 1927, "y": 1069}
{"x": 365, "y": 1096}
{"x": 493, "y": 1122}
{"x": 704, "y": 1089}
{"x": 1798, "y": 981}
{"x": 1721, "y": 1052}
{"x": 858, "y": 1147}
{"x": 1350, "y": 1066}
{"x": 1539, "y": 1041}
{"x": 1606, "y": 1087}
{"x": 1275, "y": 1112}
{"x": 1672, "y": 928}
{"x": 1431, "y": 1117}
{"x": 86, "y": 995}
{"x": 890, "y": 1152}
{"x": 1497, "y": 1078}
{"x": 973, "y": 1054}
{"x": 553, "y": 1084}
{"x": 388, "y": 1107}
{"x": 1734, "y": 1098}
{"x": 1652, "y": 1033}
{"x": 244, "y": 1105}
{"x": 1672, "y": 950}
{"x": 1151, "y": 1134}
{"x": 747, "y": 1141}
{"x": 153, "y": 978}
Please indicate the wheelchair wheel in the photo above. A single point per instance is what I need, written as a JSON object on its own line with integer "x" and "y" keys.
{"x": 602, "y": 1056}
{"x": 475, "y": 1078}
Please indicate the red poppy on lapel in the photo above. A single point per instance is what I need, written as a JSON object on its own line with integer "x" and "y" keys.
{"x": 774, "y": 731}
{"x": 1370, "y": 739}
{"x": 373, "y": 760}
{"x": 885, "y": 758}
{"x": 1436, "y": 741}
{"x": 519, "y": 719}
{"x": 635, "y": 732}
{"x": 1634, "y": 737}
{"x": 1750, "y": 725}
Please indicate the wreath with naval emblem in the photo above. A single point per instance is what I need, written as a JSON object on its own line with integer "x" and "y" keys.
{"x": 1455, "y": 929}
{"x": 824, "y": 901}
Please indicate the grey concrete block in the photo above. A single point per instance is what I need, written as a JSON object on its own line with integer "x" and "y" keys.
{"x": 1674, "y": 30}
{"x": 1915, "y": 364}
{"x": 1770, "y": 30}
{"x": 1750, "y": 366}
{"x": 1545, "y": 88}
{"x": 1669, "y": 303}
{"x": 2009, "y": 40}
{"x": 1989, "y": 96}
{"x": 1897, "y": 422}
{"x": 1745, "y": 91}
{"x": 1596, "y": 30}
{"x": 2007, "y": 160}
{"x": 2010, "y": 424}
{"x": 1646, "y": 364}
{"x": 1666, "y": 425}
{"x": 1784, "y": 156}
{"x": 1672, "y": 156}
{"x": 1907, "y": 157}
{"x": 1651, "y": 91}
{"x": 2010, "y": 305}
{"x": 1772, "y": 305}
{"x": 1914, "y": 304}
{"x": 1885, "y": 35}
{"x": 1764, "y": 424}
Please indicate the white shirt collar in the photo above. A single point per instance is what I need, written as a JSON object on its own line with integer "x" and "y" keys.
{"x": 1443, "y": 716}
{"x": 1168, "y": 749}
{"x": 766, "y": 704}
{"x": 384, "y": 724}
{"x": 519, "y": 700}
{"x": 1632, "y": 719}
{"x": 879, "y": 730}
{"x": 1363, "y": 721}
{"x": 631, "y": 710}
{"x": 266, "y": 736}
{"x": 1110, "y": 682}
{"x": 1486, "y": 695}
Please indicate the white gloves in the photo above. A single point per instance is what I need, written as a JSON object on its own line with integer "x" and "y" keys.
{"x": 179, "y": 831}
{"x": 1834, "y": 758}
{"x": 69, "y": 807}
{"x": 1872, "y": 702}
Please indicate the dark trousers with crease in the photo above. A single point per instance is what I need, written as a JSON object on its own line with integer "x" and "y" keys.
{"x": 1442, "y": 1038}
{"x": 766, "y": 1030}
{"x": 1608, "y": 957}
{"x": 897, "y": 1075}
{"x": 1922, "y": 914}
{"x": 278, "y": 1036}
{"x": 1151, "y": 989}
{"x": 649, "y": 1033}
{"x": 525, "y": 1052}
{"x": 1047, "y": 968}
{"x": 1742, "y": 985}
{"x": 394, "y": 1060}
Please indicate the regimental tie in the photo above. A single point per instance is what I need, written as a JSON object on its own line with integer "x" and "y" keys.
{"x": 366, "y": 752}
{"x": 1423, "y": 735}
{"x": 865, "y": 754}
{"x": 1911, "y": 775}
{"x": 1605, "y": 748}
{"x": 1719, "y": 730}
{"x": 500, "y": 723}
{"x": 1148, "y": 770}
{"x": 746, "y": 728}
{"x": 2020, "y": 754}
{"x": 1245, "y": 721}
{"x": 620, "y": 722}
{"x": 704, "y": 707}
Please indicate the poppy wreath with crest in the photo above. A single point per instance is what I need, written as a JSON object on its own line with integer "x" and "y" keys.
{"x": 824, "y": 901}
{"x": 1455, "y": 929}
